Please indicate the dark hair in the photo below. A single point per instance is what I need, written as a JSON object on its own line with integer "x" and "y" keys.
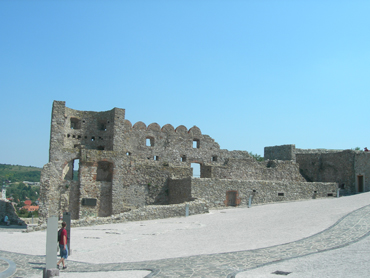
{"x": 64, "y": 224}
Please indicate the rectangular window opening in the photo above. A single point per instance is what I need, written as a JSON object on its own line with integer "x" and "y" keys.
{"x": 149, "y": 141}
{"x": 196, "y": 144}
{"x": 281, "y": 194}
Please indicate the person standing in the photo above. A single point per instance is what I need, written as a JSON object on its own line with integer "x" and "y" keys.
{"x": 63, "y": 245}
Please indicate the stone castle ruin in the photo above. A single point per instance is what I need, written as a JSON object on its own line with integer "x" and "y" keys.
{"x": 123, "y": 167}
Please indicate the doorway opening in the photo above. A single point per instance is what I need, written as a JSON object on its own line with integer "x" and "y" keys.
{"x": 360, "y": 183}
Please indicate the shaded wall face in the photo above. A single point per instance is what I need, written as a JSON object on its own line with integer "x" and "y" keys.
{"x": 329, "y": 167}
{"x": 362, "y": 169}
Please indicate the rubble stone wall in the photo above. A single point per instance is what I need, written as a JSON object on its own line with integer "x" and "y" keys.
{"x": 214, "y": 191}
{"x": 250, "y": 169}
{"x": 7, "y": 208}
{"x": 328, "y": 166}
{"x": 283, "y": 152}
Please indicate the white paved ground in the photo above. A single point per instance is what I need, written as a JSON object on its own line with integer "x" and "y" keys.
{"x": 226, "y": 230}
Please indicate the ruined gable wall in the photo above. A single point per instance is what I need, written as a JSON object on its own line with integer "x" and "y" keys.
{"x": 169, "y": 145}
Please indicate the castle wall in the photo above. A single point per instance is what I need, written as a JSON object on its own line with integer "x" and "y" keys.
{"x": 362, "y": 168}
{"x": 215, "y": 191}
{"x": 283, "y": 152}
{"x": 328, "y": 166}
{"x": 249, "y": 169}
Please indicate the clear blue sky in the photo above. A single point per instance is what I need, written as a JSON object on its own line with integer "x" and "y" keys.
{"x": 248, "y": 73}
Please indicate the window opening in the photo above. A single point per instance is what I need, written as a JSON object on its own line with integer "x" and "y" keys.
{"x": 92, "y": 139}
{"x": 149, "y": 141}
{"x": 214, "y": 158}
{"x": 75, "y": 123}
{"x": 100, "y": 148}
{"x": 76, "y": 169}
{"x": 156, "y": 157}
{"x": 196, "y": 144}
{"x": 196, "y": 170}
{"x": 183, "y": 158}
{"x": 281, "y": 194}
{"x": 102, "y": 125}
{"x": 128, "y": 153}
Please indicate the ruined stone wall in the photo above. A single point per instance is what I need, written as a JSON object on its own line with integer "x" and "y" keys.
{"x": 328, "y": 166}
{"x": 214, "y": 191}
{"x": 124, "y": 166}
{"x": 7, "y": 208}
{"x": 283, "y": 152}
{"x": 120, "y": 166}
{"x": 362, "y": 168}
{"x": 144, "y": 213}
{"x": 250, "y": 169}
{"x": 179, "y": 190}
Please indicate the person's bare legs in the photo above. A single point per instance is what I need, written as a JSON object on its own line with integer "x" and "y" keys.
{"x": 61, "y": 261}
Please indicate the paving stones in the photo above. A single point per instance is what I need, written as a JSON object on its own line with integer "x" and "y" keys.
{"x": 351, "y": 228}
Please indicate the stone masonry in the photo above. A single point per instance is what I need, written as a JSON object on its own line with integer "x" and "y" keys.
{"x": 348, "y": 168}
{"x": 102, "y": 165}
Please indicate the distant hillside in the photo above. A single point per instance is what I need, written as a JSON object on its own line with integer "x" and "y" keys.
{"x": 17, "y": 173}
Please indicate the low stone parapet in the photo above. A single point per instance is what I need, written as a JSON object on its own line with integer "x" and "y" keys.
{"x": 144, "y": 213}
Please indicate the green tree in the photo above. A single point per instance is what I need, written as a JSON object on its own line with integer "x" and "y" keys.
{"x": 257, "y": 157}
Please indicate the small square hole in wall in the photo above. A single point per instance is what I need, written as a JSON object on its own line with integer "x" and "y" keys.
{"x": 183, "y": 158}
{"x": 214, "y": 158}
{"x": 149, "y": 141}
{"x": 196, "y": 144}
{"x": 128, "y": 153}
{"x": 330, "y": 195}
{"x": 92, "y": 139}
{"x": 281, "y": 194}
{"x": 156, "y": 157}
